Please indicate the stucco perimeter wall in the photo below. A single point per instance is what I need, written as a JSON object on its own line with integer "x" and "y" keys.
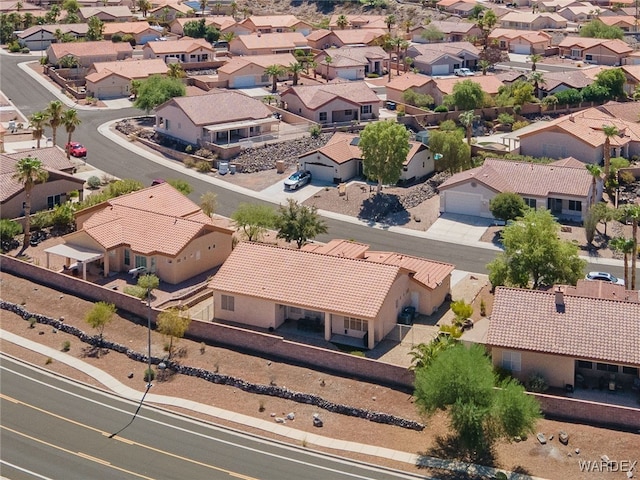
{"x": 590, "y": 412}
{"x": 341, "y": 363}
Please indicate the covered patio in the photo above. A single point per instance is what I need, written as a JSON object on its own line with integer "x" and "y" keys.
{"x": 241, "y": 129}
{"x": 81, "y": 255}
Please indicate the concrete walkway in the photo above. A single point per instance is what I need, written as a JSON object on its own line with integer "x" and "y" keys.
{"x": 298, "y": 436}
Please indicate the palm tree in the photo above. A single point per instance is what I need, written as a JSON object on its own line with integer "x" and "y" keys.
{"x": 596, "y": 174}
{"x": 328, "y": 60}
{"x": 295, "y": 69}
{"x": 624, "y": 246}
{"x": 536, "y": 79}
{"x": 70, "y": 120}
{"x": 466, "y": 119}
{"x": 534, "y": 59}
{"x": 484, "y": 66}
{"x": 144, "y": 6}
{"x": 203, "y": 6}
{"x": 234, "y": 9}
{"x": 54, "y": 115}
{"x": 175, "y": 71}
{"x": 29, "y": 171}
{"x": 228, "y": 36}
{"x": 274, "y": 71}
{"x": 390, "y": 20}
{"x": 609, "y": 131}
{"x": 401, "y": 45}
{"x": 407, "y": 24}
{"x": 38, "y": 120}
{"x": 632, "y": 212}
{"x": 342, "y": 22}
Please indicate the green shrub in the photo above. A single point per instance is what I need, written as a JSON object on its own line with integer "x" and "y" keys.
{"x": 149, "y": 375}
{"x": 9, "y": 229}
{"x": 62, "y": 216}
{"x": 116, "y": 38}
{"x": 122, "y": 187}
{"x": 74, "y": 194}
{"x": 461, "y": 310}
{"x": 519, "y": 124}
{"x": 129, "y": 38}
{"x": 315, "y": 131}
{"x": 188, "y": 149}
{"x": 453, "y": 330}
{"x": 66, "y": 346}
{"x": 42, "y": 219}
{"x": 24, "y": 50}
{"x": 93, "y": 182}
{"x": 136, "y": 291}
{"x": 483, "y": 308}
{"x": 536, "y": 383}
{"x": 204, "y": 153}
{"x": 189, "y": 162}
{"x": 203, "y": 166}
{"x": 32, "y": 322}
{"x": 14, "y": 47}
{"x": 441, "y": 109}
{"x": 372, "y": 75}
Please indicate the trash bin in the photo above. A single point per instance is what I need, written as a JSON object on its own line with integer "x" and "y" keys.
{"x": 232, "y": 168}
{"x": 223, "y": 168}
{"x": 391, "y": 105}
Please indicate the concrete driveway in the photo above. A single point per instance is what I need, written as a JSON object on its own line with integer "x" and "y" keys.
{"x": 462, "y": 229}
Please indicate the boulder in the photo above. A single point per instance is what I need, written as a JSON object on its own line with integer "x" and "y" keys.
{"x": 541, "y": 438}
{"x": 563, "y": 437}
{"x": 317, "y": 422}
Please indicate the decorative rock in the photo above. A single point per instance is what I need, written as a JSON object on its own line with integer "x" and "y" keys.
{"x": 541, "y": 438}
{"x": 291, "y": 416}
{"x": 317, "y": 422}
{"x": 130, "y": 375}
{"x": 569, "y": 454}
{"x": 40, "y": 332}
{"x": 268, "y": 364}
{"x": 563, "y": 437}
{"x": 273, "y": 415}
{"x": 279, "y": 420}
{"x": 54, "y": 330}
{"x": 550, "y": 437}
{"x": 61, "y": 297}
{"x": 605, "y": 459}
{"x": 61, "y": 319}
{"x": 517, "y": 439}
{"x": 577, "y": 451}
{"x": 373, "y": 398}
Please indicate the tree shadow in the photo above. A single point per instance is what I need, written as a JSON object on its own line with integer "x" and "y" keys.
{"x": 380, "y": 206}
{"x": 449, "y": 446}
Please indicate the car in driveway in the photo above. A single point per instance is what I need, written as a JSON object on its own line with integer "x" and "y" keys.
{"x": 463, "y": 72}
{"x": 407, "y": 315}
{"x": 604, "y": 277}
{"x": 76, "y": 149}
{"x": 297, "y": 180}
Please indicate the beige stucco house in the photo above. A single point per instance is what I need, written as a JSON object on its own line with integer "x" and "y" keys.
{"x": 247, "y": 72}
{"x": 223, "y": 23}
{"x": 218, "y": 117}
{"x": 443, "y": 58}
{"x": 422, "y": 84}
{"x": 44, "y": 196}
{"x": 520, "y": 20}
{"x": 39, "y": 37}
{"x": 595, "y": 50}
{"x": 549, "y": 333}
{"x": 141, "y": 31}
{"x": 451, "y": 30}
{"x": 117, "y": 13}
{"x": 356, "y": 22}
{"x": 157, "y": 228}
{"x": 88, "y": 53}
{"x": 351, "y": 63}
{"x": 564, "y": 187}
{"x": 323, "y": 39}
{"x": 113, "y": 79}
{"x": 341, "y": 159}
{"x": 276, "y": 24}
{"x": 347, "y": 292}
{"x": 268, "y": 43}
{"x": 332, "y": 102}
{"x": 185, "y": 51}
{"x": 520, "y": 41}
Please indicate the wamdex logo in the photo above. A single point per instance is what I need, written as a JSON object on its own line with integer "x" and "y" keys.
{"x": 605, "y": 465}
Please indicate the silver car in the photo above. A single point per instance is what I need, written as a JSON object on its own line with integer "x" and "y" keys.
{"x": 297, "y": 180}
{"x": 604, "y": 277}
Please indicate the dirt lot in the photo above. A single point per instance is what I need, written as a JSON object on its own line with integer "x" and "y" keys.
{"x": 549, "y": 461}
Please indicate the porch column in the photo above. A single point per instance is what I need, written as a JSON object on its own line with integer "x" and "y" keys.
{"x": 105, "y": 268}
{"x": 370, "y": 335}
{"x": 327, "y": 326}
{"x": 84, "y": 271}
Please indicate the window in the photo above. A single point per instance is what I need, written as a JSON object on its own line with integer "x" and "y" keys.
{"x": 53, "y": 200}
{"x": 127, "y": 257}
{"x": 166, "y": 124}
{"x": 606, "y": 367}
{"x": 264, "y": 79}
{"x": 351, "y": 323}
{"x": 511, "y": 361}
{"x": 588, "y": 58}
{"x": 503, "y": 44}
{"x": 585, "y": 364}
{"x": 365, "y": 109}
{"x": 530, "y": 202}
{"x": 141, "y": 261}
{"x": 323, "y": 116}
{"x": 630, "y": 371}
{"x": 228, "y": 303}
{"x": 575, "y": 205}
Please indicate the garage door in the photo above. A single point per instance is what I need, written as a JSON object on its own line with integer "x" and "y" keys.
{"x": 148, "y": 38}
{"x": 462, "y": 203}
{"x": 319, "y": 172}
{"x": 440, "y": 70}
{"x": 245, "y": 81}
{"x": 522, "y": 49}
{"x": 350, "y": 74}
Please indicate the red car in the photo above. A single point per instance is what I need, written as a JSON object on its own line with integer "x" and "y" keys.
{"x": 76, "y": 149}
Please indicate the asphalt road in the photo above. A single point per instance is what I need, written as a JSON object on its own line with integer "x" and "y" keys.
{"x": 53, "y": 428}
{"x": 29, "y": 96}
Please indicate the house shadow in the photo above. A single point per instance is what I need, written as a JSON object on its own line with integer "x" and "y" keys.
{"x": 385, "y": 208}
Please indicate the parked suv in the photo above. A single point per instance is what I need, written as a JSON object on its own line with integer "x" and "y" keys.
{"x": 297, "y": 180}
{"x": 463, "y": 72}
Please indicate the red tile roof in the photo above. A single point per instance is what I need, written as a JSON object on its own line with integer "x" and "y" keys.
{"x": 597, "y": 289}
{"x": 343, "y": 285}
{"x": 315, "y": 96}
{"x": 90, "y": 49}
{"x": 589, "y": 328}
{"x": 338, "y": 248}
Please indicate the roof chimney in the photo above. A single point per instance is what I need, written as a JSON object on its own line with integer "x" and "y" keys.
{"x": 559, "y": 300}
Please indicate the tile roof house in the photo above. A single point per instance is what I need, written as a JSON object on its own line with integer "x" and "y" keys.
{"x": 408, "y": 81}
{"x": 117, "y": 13}
{"x": 341, "y": 159}
{"x": 632, "y": 59}
{"x": 627, "y": 23}
{"x": 555, "y": 82}
{"x": 323, "y": 39}
{"x": 461, "y": 8}
{"x": 442, "y": 87}
{"x": 360, "y": 22}
{"x": 580, "y": 135}
{"x": 167, "y": 12}
{"x": 113, "y": 79}
{"x": 218, "y": 117}
{"x": 520, "y": 41}
{"x": 185, "y": 50}
{"x": 39, "y": 37}
{"x": 223, "y": 23}
{"x": 600, "y": 51}
{"x": 142, "y": 32}
{"x": 453, "y": 31}
{"x": 443, "y": 58}
{"x": 55, "y": 191}
{"x": 347, "y": 291}
{"x": 351, "y": 63}
{"x": 246, "y": 72}
{"x": 562, "y": 335}
{"x": 533, "y": 21}
{"x": 268, "y": 43}
{"x": 580, "y": 13}
{"x": 157, "y": 227}
{"x": 276, "y": 24}
{"x": 88, "y": 53}
{"x": 332, "y": 102}
{"x": 565, "y": 187}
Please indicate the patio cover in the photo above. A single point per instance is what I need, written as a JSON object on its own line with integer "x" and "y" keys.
{"x": 76, "y": 252}
{"x": 240, "y": 124}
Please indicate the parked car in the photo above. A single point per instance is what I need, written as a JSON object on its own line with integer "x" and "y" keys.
{"x": 135, "y": 272}
{"x": 463, "y": 72}
{"x": 604, "y": 277}
{"x": 407, "y": 315}
{"x": 297, "y": 180}
{"x": 76, "y": 149}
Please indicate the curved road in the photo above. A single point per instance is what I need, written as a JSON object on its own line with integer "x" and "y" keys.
{"x": 29, "y": 96}
{"x": 53, "y": 428}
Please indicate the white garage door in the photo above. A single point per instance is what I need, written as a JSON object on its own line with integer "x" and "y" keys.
{"x": 463, "y": 203}
{"x": 522, "y": 49}
{"x": 245, "y": 81}
{"x": 319, "y": 172}
{"x": 440, "y": 70}
{"x": 351, "y": 74}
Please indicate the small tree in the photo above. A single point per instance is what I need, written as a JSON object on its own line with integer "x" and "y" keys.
{"x": 98, "y": 317}
{"x": 462, "y": 310}
{"x": 181, "y": 185}
{"x": 9, "y": 229}
{"x": 507, "y": 206}
{"x": 384, "y": 147}
{"x": 254, "y": 220}
{"x": 208, "y": 203}
{"x": 174, "y": 324}
{"x": 156, "y": 90}
{"x": 298, "y": 223}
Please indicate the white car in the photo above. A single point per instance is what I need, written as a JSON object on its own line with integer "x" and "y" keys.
{"x": 604, "y": 277}
{"x": 135, "y": 272}
{"x": 297, "y": 180}
{"x": 463, "y": 72}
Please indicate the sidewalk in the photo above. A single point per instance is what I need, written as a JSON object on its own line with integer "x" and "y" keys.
{"x": 299, "y": 436}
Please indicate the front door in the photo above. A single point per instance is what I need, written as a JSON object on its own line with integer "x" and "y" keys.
{"x": 554, "y": 205}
